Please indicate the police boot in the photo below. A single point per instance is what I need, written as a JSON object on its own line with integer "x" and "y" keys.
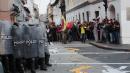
{"x": 32, "y": 65}
{"x": 5, "y": 63}
{"x": 20, "y": 66}
{"x": 12, "y": 64}
{"x": 47, "y": 57}
{"x": 42, "y": 64}
{"x": 36, "y": 63}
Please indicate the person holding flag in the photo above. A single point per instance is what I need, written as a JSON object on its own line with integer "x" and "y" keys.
{"x": 64, "y": 30}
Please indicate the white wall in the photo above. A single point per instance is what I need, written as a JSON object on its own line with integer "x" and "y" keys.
{"x": 91, "y": 8}
{"x": 125, "y": 24}
{"x": 95, "y": 7}
{"x": 120, "y": 12}
{"x": 57, "y": 14}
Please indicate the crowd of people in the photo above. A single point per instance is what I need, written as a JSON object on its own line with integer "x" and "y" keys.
{"x": 23, "y": 47}
{"x": 105, "y": 31}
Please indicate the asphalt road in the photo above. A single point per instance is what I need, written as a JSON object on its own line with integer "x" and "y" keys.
{"x": 76, "y": 57}
{"x": 112, "y": 58}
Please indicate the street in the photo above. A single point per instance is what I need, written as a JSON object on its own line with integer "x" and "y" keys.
{"x": 75, "y": 36}
{"x": 76, "y": 57}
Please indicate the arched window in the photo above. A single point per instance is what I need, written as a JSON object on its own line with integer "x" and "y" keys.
{"x": 112, "y": 12}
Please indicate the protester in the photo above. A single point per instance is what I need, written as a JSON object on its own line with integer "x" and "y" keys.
{"x": 58, "y": 32}
{"x": 82, "y": 32}
{"x": 116, "y": 32}
{"x": 95, "y": 30}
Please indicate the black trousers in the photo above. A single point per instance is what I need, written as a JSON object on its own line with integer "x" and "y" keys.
{"x": 41, "y": 63}
{"x": 47, "y": 57}
{"x": 30, "y": 64}
{"x": 19, "y": 63}
{"x": 8, "y": 63}
{"x": 36, "y": 63}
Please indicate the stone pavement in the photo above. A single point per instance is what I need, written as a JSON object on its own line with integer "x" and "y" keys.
{"x": 66, "y": 60}
{"x": 112, "y": 46}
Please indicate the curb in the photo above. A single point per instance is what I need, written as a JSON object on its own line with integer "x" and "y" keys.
{"x": 108, "y": 47}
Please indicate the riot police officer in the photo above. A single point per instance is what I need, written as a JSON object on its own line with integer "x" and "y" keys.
{"x": 41, "y": 47}
{"x": 17, "y": 34}
{"x": 6, "y": 52}
{"x": 47, "y": 54}
{"x": 30, "y": 46}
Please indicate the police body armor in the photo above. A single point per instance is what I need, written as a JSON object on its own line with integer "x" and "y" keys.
{"x": 17, "y": 34}
{"x": 46, "y": 40}
{"x": 46, "y": 48}
{"x": 5, "y": 38}
{"x": 30, "y": 38}
{"x": 42, "y": 39}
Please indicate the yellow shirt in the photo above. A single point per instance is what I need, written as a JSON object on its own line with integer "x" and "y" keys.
{"x": 82, "y": 30}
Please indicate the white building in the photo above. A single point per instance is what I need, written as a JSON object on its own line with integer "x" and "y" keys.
{"x": 86, "y": 10}
{"x": 50, "y": 12}
{"x": 22, "y": 14}
{"x": 54, "y": 12}
{"x": 57, "y": 14}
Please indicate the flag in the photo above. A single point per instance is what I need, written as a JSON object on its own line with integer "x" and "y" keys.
{"x": 63, "y": 23}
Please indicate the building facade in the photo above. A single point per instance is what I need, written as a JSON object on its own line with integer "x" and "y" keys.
{"x": 57, "y": 14}
{"x": 87, "y": 10}
{"x": 34, "y": 12}
{"x": 55, "y": 10}
{"x": 5, "y": 6}
{"x": 18, "y": 11}
{"x": 50, "y": 12}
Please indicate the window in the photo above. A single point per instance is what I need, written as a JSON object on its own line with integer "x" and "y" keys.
{"x": 96, "y": 14}
{"x": 87, "y": 13}
{"x": 83, "y": 17}
{"x": 79, "y": 17}
{"x": 76, "y": 17}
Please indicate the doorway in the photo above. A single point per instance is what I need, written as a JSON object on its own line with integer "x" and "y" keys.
{"x": 112, "y": 12}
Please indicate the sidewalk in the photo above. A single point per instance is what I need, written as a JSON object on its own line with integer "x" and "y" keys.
{"x": 112, "y": 46}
